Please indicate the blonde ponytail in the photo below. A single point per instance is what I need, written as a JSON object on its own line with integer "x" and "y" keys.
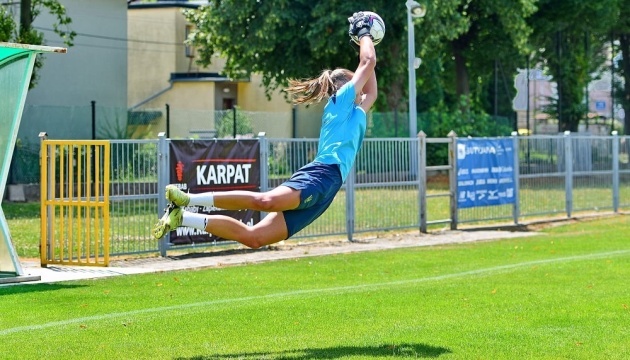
{"x": 309, "y": 91}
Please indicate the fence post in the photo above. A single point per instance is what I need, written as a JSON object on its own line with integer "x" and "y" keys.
{"x": 264, "y": 165}
{"x": 264, "y": 161}
{"x": 350, "y": 181}
{"x": 615, "y": 169}
{"x": 452, "y": 162}
{"x": 516, "y": 208}
{"x": 163, "y": 180}
{"x": 422, "y": 180}
{"x": 93, "y": 119}
{"x": 46, "y": 193}
{"x": 568, "y": 172}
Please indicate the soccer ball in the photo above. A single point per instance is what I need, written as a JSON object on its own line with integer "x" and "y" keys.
{"x": 377, "y": 31}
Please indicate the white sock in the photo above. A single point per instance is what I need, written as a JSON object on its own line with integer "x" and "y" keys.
{"x": 195, "y": 221}
{"x": 203, "y": 199}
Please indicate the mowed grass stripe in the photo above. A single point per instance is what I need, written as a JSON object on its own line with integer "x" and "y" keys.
{"x": 207, "y": 305}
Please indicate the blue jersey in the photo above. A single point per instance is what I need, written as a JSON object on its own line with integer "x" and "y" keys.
{"x": 343, "y": 128}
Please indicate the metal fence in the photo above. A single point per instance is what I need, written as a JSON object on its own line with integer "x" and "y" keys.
{"x": 391, "y": 186}
{"x": 564, "y": 175}
{"x": 133, "y": 196}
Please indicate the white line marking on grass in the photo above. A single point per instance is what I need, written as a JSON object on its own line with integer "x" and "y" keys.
{"x": 334, "y": 290}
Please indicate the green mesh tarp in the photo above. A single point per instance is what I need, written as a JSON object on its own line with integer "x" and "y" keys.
{"x": 16, "y": 68}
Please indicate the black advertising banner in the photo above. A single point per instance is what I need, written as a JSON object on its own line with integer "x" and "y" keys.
{"x": 214, "y": 165}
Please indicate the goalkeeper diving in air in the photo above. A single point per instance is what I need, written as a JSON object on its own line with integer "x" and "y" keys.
{"x": 300, "y": 200}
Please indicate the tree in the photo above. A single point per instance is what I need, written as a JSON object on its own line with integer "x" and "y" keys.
{"x": 25, "y": 33}
{"x": 624, "y": 47}
{"x": 488, "y": 32}
{"x": 294, "y": 39}
{"x": 571, "y": 35}
{"x": 621, "y": 33}
{"x": 280, "y": 39}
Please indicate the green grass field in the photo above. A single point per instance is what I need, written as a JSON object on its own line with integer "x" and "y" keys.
{"x": 561, "y": 295}
{"x": 131, "y": 222}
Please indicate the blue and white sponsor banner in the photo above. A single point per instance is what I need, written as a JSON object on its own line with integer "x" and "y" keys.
{"x": 485, "y": 172}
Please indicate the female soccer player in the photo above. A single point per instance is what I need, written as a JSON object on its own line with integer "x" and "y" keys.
{"x": 308, "y": 193}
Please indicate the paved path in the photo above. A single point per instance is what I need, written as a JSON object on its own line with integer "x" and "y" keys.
{"x": 55, "y": 273}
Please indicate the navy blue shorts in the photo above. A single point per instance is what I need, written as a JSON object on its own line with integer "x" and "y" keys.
{"x": 318, "y": 183}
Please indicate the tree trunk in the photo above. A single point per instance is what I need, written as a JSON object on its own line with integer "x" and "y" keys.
{"x": 462, "y": 85}
{"x": 624, "y": 44}
{"x": 26, "y": 16}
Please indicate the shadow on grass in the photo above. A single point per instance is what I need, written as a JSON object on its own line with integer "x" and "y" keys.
{"x": 400, "y": 350}
{"x": 28, "y": 288}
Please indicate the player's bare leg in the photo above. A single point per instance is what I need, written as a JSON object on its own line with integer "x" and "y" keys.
{"x": 269, "y": 230}
{"x": 279, "y": 199}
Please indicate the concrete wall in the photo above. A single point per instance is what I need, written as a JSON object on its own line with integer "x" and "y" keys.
{"x": 192, "y": 102}
{"x": 275, "y": 118}
{"x": 94, "y": 69}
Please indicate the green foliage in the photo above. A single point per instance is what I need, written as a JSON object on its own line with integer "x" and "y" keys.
{"x": 571, "y": 38}
{"x": 134, "y": 163}
{"x": 25, "y": 163}
{"x": 464, "y": 121}
{"x": 260, "y": 36}
{"x": 7, "y": 25}
{"x": 460, "y": 58}
{"x": 226, "y": 122}
{"x": 458, "y": 41}
{"x": 387, "y": 124}
{"x": 62, "y": 26}
{"x": 26, "y": 34}
{"x": 117, "y": 126}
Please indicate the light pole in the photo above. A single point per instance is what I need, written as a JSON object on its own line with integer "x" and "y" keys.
{"x": 414, "y": 10}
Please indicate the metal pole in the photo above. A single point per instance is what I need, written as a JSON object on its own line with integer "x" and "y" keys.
{"x": 612, "y": 82}
{"x": 586, "y": 93}
{"x": 413, "y": 115}
{"x": 452, "y": 161}
{"x": 264, "y": 165}
{"x": 422, "y": 180}
{"x": 234, "y": 120}
{"x": 558, "y": 80}
{"x": 350, "y": 214}
{"x": 516, "y": 208}
{"x": 568, "y": 171}
{"x": 93, "y": 120}
{"x": 529, "y": 132}
{"x": 413, "y": 112}
{"x": 294, "y": 121}
{"x": 168, "y": 121}
{"x": 615, "y": 169}
{"x": 47, "y": 187}
{"x": 163, "y": 180}
{"x": 527, "y": 109}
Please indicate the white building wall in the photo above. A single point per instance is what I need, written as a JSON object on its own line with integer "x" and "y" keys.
{"x": 94, "y": 69}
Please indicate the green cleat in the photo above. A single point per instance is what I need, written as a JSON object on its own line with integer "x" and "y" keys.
{"x": 171, "y": 220}
{"x": 176, "y": 196}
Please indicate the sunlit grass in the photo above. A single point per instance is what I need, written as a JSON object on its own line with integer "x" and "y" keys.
{"x": 377, "y": 209}
{"x": 559, "y": 295}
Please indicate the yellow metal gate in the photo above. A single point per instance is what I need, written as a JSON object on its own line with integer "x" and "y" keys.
{"x": 75, "y": 183}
